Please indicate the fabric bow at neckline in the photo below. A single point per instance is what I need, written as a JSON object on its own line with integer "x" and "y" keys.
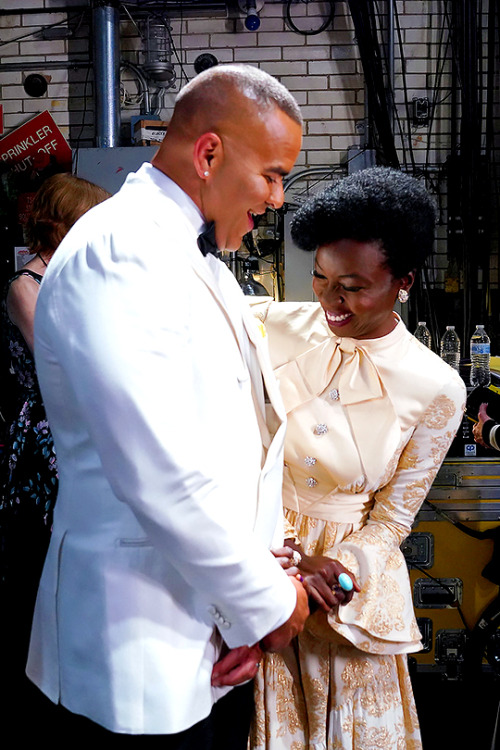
{"x": 311, "y": 373}
{"x": 207, "y": 242}
{"x": 372, "y": 418}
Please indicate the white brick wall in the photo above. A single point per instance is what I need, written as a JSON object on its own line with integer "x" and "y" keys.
{"x": 323, "y": 71}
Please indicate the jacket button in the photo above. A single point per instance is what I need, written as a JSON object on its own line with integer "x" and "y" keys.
{"x": 320, "y": 429}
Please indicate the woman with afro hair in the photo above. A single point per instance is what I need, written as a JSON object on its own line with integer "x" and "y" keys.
{"x": 371, "y": 415}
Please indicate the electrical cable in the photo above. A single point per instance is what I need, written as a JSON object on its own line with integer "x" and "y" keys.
{"x": 405, "y": 89}
{"x": 440, "y": 64}
{"x": 309, "y": 32}
{"x": 365, "y": 26}
{"x": 180, "y": 46}
{"x": 432, "y": 316}
{"x": 66, "y": 21}
{"x": 391, "y": 92}
{"x": 77, "y": 146}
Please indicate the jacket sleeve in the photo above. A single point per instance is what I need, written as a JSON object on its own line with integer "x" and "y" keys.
{"x": 490, "y": 434}
{"x": 380, "y": 619}
{"x": 160, "y": 383}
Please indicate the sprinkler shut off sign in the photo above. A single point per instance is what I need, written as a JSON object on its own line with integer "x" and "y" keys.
{"x": 35, "y": 145}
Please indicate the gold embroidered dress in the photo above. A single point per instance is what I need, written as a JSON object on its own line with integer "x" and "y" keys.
{"x": 369, "y": 423}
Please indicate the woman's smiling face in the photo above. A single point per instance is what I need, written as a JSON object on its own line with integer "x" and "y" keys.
{"x": 356, "y": 289}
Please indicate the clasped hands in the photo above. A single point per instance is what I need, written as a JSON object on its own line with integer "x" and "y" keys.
{"x": 242, "y": 664}
{"x": 318, "y": 576}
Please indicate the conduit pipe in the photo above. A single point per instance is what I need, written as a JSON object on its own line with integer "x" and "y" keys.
{"x": 106, "y": 47}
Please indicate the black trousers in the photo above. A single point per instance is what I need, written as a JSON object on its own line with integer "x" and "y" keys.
{"x": 226, "y": 728}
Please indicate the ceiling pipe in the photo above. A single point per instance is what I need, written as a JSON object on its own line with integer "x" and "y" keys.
{"x": 106, "y": 48}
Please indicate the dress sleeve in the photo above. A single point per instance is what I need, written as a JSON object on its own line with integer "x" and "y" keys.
{"x": 380, "y": 619}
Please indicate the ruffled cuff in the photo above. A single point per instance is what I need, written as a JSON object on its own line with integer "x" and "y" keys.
{"x": 380, "y": 618}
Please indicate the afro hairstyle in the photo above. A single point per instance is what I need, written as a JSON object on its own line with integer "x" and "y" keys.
{"x": 379, "y": 204}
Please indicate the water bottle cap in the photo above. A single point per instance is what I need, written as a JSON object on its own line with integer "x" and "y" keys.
{"x": 421, "y": 322}
{"x": 450, "y": 328}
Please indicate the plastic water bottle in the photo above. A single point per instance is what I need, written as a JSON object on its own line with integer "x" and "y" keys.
{"x": 450, "y": 347}
{"x": 480, "y": 357}
{"x": 423, "y": 334}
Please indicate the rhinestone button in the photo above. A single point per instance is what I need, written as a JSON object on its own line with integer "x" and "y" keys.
{"x": 310, "y": 460}
{"x": 334, "y": 394}
{"x": 320, "y": 429}
{"x": 311, "y": 482}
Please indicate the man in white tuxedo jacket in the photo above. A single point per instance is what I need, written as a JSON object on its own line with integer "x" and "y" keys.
{"x": 155, "y": 379}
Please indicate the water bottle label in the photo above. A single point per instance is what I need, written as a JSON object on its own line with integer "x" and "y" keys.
{"x": 479, "y": 349}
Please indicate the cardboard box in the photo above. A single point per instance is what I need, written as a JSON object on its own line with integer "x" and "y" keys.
{"x": 149, "y": 132}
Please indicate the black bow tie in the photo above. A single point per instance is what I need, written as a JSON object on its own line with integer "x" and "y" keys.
{"x": 207, "y": 242}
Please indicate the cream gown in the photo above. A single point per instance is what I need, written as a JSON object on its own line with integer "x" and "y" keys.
{"x": 369, "y": 423}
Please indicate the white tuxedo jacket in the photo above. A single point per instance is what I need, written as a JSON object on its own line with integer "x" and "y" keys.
{"x": 151, "y": 369}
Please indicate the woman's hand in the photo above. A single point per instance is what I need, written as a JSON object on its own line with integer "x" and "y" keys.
{"x": 321, "y": 581}
{"x": 320, "y": 577}
{"x": 477, "y": 429}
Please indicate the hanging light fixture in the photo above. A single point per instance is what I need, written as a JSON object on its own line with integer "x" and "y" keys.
{"x": 158, "y": 52}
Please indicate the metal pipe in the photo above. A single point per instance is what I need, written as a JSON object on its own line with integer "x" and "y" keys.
{"x": 45, "y": 65}
{"x": 390, "y": 62}
{"x": 106, "y": 48}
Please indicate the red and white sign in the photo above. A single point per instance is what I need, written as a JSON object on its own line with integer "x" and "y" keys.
{"x": 34, "y": 145}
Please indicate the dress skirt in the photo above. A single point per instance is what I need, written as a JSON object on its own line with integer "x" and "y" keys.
{"x": 323, "y": 693}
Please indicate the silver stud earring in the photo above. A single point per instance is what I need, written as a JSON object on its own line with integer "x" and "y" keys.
{"x": 206, "y": 173}
{"x": 403, "y": 296}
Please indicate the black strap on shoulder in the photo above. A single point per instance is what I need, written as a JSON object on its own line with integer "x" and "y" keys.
{"x": 27, "y": 272}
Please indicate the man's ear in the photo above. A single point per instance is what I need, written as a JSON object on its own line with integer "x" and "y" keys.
{"x": 206, "y": 154}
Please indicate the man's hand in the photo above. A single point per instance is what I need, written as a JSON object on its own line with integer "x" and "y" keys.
{"x": 237, "y": 666}
{"x": 282, "y": 636}
{"x": 284, "y": 555}
{"x": 477, "y": 429}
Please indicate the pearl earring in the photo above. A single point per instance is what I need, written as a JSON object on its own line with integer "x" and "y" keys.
{"x": 206, "y": 173}
{"x": 403, "y": 296}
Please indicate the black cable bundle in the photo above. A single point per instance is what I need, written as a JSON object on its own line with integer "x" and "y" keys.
{"x": 365, "y": 26}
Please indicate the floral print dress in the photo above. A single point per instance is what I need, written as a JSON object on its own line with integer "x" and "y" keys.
{"x": 28, "y": 490}
{"x": 369, "y": 423}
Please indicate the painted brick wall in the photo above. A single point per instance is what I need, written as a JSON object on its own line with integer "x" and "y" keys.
{"x": 323, "y": 71}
